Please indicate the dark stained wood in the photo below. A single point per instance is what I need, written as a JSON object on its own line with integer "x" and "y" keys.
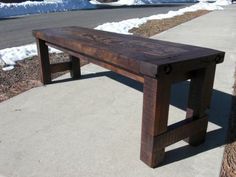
{"x": 117, "y": 70}
{"x": 136, "y": 54}
{"x": 106, "y": 65}
{"x": 75, "y": 70}
{"x": 59, "y": 67}
{"x": 156, "y": 96}
{"x": 156, "y": 64}
{"x": 45, "y": 72}
{"x": 179, "y": 131}
{"x": 200, "y": 92}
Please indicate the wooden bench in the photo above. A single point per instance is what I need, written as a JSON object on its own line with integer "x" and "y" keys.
{"x": 157, "y": 64}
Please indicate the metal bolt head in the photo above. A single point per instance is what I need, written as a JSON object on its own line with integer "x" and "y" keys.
{"x": 218, "y": 59}
{"x": 167, "y": 69}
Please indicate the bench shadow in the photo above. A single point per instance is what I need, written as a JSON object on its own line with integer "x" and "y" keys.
{"x": 219, "y": 115}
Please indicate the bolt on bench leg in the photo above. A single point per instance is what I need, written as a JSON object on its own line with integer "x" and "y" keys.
{"x": 45, "y": 72}
{"x": 156, "y": 96}
{"x": 75, "y": 68}
{"x": 200, "y": 92}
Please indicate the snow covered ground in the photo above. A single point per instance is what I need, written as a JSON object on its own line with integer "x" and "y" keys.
{"x": 124, "y": 26}
{"x": 9, "y": 56}
{"x": 28, "y": 7}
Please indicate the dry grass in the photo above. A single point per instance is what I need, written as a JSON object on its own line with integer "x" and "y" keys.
{"x": 153, "y": 27}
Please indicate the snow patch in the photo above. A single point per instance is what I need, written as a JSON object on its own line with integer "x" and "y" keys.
{"x": 9, "y": 56}
{"x": 223, "y": 2}
{"x": 8, "y": 68}
{"x": 29, "y": 7}
{"x": 124, "y": 26}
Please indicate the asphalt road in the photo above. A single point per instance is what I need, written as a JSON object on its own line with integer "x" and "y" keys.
{"x": 17, "y": 31}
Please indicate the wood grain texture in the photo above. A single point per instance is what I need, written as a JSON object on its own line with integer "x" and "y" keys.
{"x": 200, "y": 92}
{"x": 179, "y": 131}
{"x": 45, "y": 71}
{"x": 75, "y": 71}
{"x": 59, "y": 67}
{"x": 156, "y": 96}
{"x": 101, "y": 63}
{"x": 136, "y": 54}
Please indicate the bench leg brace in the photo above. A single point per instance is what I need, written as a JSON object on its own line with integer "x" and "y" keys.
{"x": 46, "y": 69}
{"x": 155, "y": 116}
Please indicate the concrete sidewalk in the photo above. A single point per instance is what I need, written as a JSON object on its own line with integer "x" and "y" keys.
{"x": 91, "y": 127}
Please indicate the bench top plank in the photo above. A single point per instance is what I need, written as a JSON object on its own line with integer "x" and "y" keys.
{"x": 134, "y": 54}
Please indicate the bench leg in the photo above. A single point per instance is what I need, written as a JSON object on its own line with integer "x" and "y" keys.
{"x": 200, "y": 92}
{"x": 156, "y": 96}
{"x": 45, "y": 72}
{"x": 75, "y": 70}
